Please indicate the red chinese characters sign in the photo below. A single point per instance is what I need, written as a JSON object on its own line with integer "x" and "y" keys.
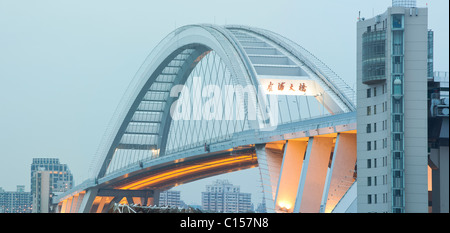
{"x": 288, "y": 87}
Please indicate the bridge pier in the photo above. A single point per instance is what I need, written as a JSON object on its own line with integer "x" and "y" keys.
{"x": 290, "y": 174}
{"x": 313, "y": 175}
{"x": 270, "y": 157}
{"x": 307, "y": 175}
{"x": 87, "y": 200}
{"x": 341, "y": 173}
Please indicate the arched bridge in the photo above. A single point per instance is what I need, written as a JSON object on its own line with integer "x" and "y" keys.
{"x": 216, "y": 99}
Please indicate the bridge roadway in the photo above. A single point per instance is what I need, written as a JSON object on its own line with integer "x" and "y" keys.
{"x": 306, "y": 166}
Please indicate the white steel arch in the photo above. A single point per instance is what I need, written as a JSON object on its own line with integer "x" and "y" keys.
{"x": 176, "y": 56}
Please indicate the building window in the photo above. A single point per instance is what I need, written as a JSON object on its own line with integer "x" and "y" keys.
{"x": 374, "y": 145}
{"x": 397, "y": 21}
{"x": 369, "y": 128}
{"x": 374, "y": 110}
{"x": 369, "y": 146}
{"x": 369, "y": 163}
{"x": 369, "y": 93}
{"x": 375, "y": 165}
{"x": 374, "y": 91}
{"x": 369, "y": 199}
{"x": 369, "y": 181}
{"x": 369, "y": 110}
{"x": 375, "y": 184}
{"x": 374, "y": 127}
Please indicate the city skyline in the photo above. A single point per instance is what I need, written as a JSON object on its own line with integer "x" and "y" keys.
{"x": 77, "y": 117}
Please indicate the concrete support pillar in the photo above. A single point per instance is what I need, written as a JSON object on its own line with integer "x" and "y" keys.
{"x": 440, "y": 180}
{"x": 114, "y": 200}
{"x": 313, "y": 175}
{"x": 444, "y": 166}
{"x": 68, "y": 205}
{"x": 137, "y": 200}
{"x": 156, "y": 197}
{"x": 88, "y": 199}
{"x": 144, "y": 200}
{"x": 291, "y": 167}
{"x": 130, "y": 200}
{"x": 340, "y": 175}
{"x": 63, "y": 206}
{"x": 80, "y": 199}
{"x": 74, "y": 203}
{"x": 58, "y": 208}
{"x": 270, "y": 157}
{"x": 101, "y": 205}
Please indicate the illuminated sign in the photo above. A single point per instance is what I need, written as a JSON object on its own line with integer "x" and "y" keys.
{"x": 289, "y": 87}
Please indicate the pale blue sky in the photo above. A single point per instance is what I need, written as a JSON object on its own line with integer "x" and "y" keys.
{"x": 64, "y": 65}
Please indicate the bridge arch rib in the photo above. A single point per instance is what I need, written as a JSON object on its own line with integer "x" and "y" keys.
{"x": 149, "y": 103}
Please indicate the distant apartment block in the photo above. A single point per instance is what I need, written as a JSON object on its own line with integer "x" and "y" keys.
{"x": 223, "y": 197}
{"x": 15, "y": 202}
{"x": 170, "y": 198}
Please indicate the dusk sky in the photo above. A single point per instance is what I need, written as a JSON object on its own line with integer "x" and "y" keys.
{"x": 65, "y": 65}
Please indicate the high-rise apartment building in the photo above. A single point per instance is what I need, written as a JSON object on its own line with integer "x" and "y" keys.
{"x": 41, "y": 192}
{"x": 224, "y": 197}
{"x": 48, "y": 176}
{"x": 60, "y": 175}
{"x": 392, "y": 70}
{"x": 15, "y": 202}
